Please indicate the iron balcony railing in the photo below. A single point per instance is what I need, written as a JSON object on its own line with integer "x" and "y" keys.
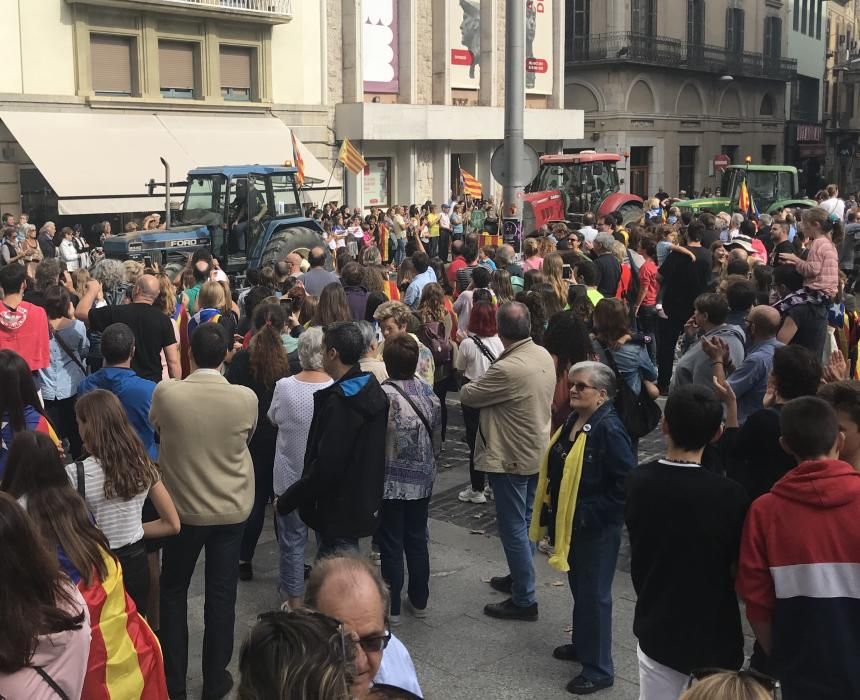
{"x": 261, "y": 8}
{"x": 631, "y": 47}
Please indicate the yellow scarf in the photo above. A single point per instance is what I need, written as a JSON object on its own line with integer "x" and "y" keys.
{"x": 566, "y": 500}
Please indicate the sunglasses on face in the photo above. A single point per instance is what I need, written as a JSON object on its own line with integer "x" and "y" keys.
{"x": 579, "y": 387}
{"x": 769, "y": 684}
{"x": 375, "y": 643}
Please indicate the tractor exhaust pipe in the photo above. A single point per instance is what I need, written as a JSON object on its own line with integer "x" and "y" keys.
{"x": 166, "y": 193}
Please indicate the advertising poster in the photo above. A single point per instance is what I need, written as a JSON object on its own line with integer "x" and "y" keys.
{"x": 465, "y": 28}
{"x": 539, "y": 46}
{"x": 380, "y": 46}
{"x": 376, "y": 182}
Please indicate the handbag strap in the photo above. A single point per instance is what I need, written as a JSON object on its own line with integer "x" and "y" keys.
{"x": 485, "y": 351}
{"x": 81, "y": 483}
{"x": 51, "y": 682}
{"x": 415, "y": 408}
{"x": 64, "y": 346}
{"x": 610, "y": 360}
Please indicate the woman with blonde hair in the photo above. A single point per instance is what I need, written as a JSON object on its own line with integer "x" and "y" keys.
{"x": 532, "y": 259}
{"x": 215, "y": 307}
{"x": 500, "y": 283}
{"x": 114, "y": 481}
{"x": 731, "y": 685}
{"x": 553, "y": 267}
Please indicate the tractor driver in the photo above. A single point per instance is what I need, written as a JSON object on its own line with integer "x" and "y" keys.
{"x": 240, "y": 206}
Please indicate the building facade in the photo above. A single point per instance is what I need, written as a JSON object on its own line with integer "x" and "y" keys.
{"x": 418, "y": 86}
{"x": 670, "y": 84}
{"x": 93, "y": 92}
{"x": 804, "y": 134}
{"x": 840, "y": 111}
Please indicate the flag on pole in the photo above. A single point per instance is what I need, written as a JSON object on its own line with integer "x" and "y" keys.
{"x": 297, "y": 158}
{"x": 471, "y": 187}
{"x": 745, "y": 201}
{"x": 351, "y": 158}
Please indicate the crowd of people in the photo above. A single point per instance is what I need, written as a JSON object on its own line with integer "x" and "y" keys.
{"x": 149, "y": 415}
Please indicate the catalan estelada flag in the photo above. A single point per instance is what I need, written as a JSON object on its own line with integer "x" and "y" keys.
{"x": 745, "y": 201}
{"x": 300, "y": 163}
{"x": 125, "y": 659}
{"x": 351, "y": 158}
{"x": 471, "y": 186}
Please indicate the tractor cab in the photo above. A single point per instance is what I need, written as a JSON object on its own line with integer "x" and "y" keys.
{"x": 585, "y": 179}
{"x": 237, "y": 205}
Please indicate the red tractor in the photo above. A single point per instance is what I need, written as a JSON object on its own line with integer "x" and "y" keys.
{"x": 567, "y": 186}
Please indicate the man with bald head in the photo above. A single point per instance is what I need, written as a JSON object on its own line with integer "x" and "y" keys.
{"x": 153, "y": 331}
{"x": 349, "y": 589}
{"x": 317, "y": 277}
{"x": 749, "y": 379}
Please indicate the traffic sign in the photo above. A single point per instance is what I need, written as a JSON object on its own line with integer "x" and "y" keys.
{"x": 721, "y": 162}
{"x": 531, "y": 165}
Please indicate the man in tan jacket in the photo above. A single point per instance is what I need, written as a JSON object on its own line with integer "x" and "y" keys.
{"x": 515, "y": 398}
{"x": 205, "y": 426}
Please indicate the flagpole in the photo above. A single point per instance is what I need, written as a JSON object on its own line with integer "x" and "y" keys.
{"x": 330, "y": 176}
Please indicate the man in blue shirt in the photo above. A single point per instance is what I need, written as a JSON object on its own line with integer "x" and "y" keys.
{"x": 424, "y": 276}
{"x": 117, "y": 376}
{"x": 749, "y": 379}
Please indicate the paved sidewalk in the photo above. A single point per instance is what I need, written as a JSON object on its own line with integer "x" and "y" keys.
{"x": 458, "y": 651}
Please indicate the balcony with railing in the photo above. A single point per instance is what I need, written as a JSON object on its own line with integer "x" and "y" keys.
{"x": 630, "y": 47}
{"x": 266, "y": 11}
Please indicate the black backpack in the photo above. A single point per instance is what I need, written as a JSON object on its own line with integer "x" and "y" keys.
{"x": 639, "y": 414}
{"x": 432, "y": 334}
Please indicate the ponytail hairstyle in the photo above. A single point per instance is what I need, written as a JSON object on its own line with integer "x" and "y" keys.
{"x": 829, "y": 223}
{"x": 269, "y": 358}
{"x": 110, "y": 438}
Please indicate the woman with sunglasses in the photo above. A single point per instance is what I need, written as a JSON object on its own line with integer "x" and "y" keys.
{"x": 580, "y": 501}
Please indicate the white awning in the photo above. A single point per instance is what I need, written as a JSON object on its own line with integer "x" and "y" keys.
{"x": 100, "y": 163}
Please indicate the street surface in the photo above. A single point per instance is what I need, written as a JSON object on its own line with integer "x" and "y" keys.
{"x": 459, "y": 653}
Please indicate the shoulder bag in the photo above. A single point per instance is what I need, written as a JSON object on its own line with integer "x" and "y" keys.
{"x": 639, "y": 414}
{"x": 64, "y": 346}
{"x": 434, "y": 439}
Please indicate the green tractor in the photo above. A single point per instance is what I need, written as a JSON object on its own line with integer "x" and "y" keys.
{"x": 772, "y": 187}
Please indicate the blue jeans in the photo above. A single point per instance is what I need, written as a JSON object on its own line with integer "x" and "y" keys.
{"x": 330, "y": 546}
{"x": 403, "y": 530}
{"x": 514, "y": 496}
{"x": 221, "y": 576}
{"x": 592, "y": 559}
{"x": 400, "y": 253}
{"x": 292, "y": 538}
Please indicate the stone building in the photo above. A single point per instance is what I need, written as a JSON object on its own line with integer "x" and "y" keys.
{"x": 93, "y": 92}
{"x": 418, "y": 86}
{"x": 670, "y": 84}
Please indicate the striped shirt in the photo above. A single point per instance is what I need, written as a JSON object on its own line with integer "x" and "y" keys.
{"x": 118, "y": 519}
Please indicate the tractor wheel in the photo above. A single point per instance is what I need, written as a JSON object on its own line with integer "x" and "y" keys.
{"x": 629, "y": 212}
{"x": 287, "y": 240}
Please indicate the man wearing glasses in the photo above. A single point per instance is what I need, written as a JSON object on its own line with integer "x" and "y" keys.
{"x": 349, "y": 589}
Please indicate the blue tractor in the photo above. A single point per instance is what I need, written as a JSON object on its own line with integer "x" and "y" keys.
{"x": 248, "y": 216}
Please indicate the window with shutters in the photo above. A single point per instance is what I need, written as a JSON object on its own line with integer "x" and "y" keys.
{"x": 177, "y": 69}
{"x": 735, "y": 30}
{"x": 236, "y": 72}
{"x": 643, "y": 19}
{"x": 113, "y": 64}
{"x": 772, "y": 38}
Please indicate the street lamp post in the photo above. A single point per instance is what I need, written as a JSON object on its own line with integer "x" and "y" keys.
{"x": 515, "y": 35}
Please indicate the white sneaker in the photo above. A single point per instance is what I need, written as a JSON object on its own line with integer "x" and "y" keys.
{"x": 488, "y": 492}
{"x": 471, "y": 496}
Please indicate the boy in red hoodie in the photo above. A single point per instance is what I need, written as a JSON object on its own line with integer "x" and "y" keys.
{"x": 799, "y": 568}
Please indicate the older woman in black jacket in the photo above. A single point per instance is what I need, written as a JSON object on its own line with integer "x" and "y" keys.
{"x": 580, "y": 500}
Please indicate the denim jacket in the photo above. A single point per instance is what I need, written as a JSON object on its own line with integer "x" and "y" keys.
{"x": 608, "y": 459}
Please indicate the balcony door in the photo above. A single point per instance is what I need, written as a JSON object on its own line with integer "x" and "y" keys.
{"x": 695, "y": 30}
{"x": 643, "y": 28}
{"x": 578, "y": 13}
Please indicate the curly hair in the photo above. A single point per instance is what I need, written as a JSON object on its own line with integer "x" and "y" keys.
{"x": 110, "y": 438}
{"x": 566, "y": 337}
{"x": 397, "y": 311}
{"x": 110, "y": 274}
{"x": 431, "y": 307}
{"x": 268, "y": 356}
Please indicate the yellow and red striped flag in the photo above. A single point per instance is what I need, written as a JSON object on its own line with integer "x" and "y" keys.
{"x": 300, "y": 163}
{"x": 125, "y": 657}
{"x": 351, "y": 158}
{"x": 471, "y": 186}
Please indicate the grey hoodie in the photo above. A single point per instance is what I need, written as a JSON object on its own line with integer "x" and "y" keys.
{"x": 694, "y": 367}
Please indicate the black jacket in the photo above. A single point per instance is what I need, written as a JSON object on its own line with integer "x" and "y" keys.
{"x": 340, "y": 491}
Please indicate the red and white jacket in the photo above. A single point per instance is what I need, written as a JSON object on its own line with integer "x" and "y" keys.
{"x": 799, "y": 568}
